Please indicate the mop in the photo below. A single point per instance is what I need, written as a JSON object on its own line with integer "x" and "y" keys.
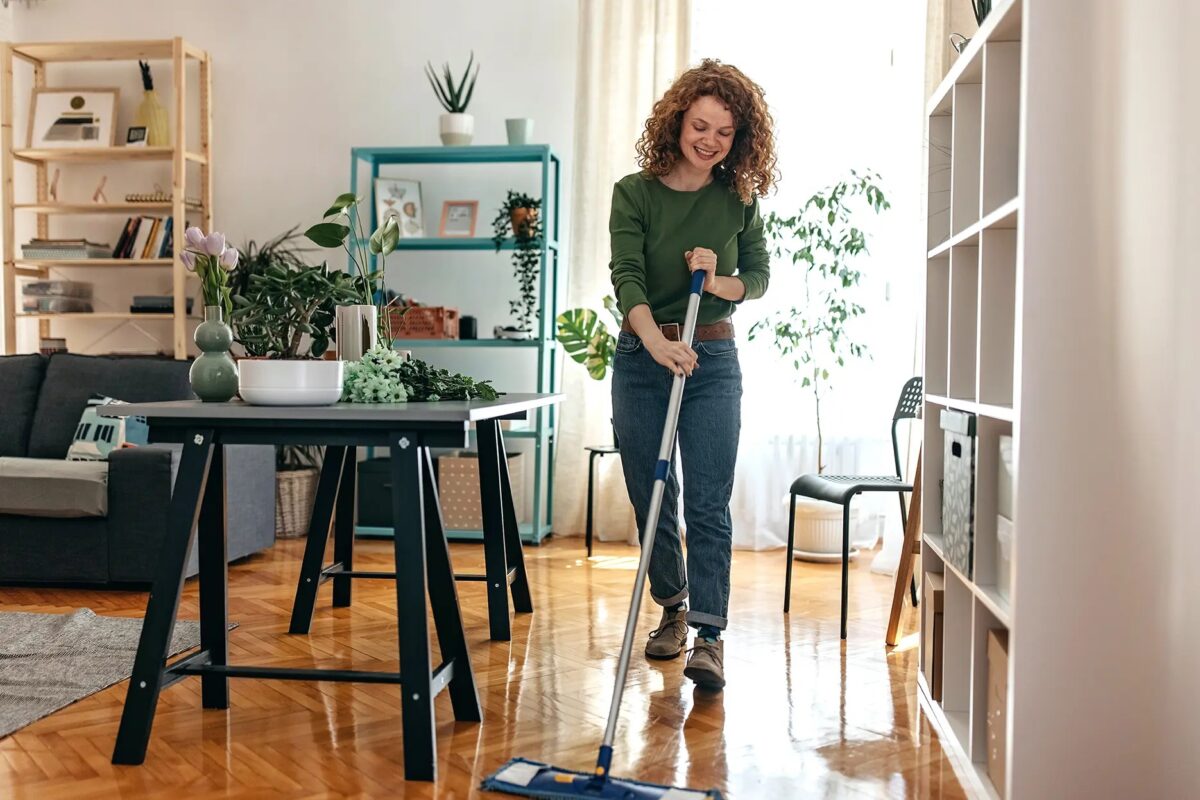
{"x": 527, "y": 778}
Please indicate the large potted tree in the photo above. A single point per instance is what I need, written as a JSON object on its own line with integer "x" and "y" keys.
{"x": 816, "y": 337}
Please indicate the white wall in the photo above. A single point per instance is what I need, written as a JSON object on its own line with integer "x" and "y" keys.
{"x": 296, "y": 84}
{"x": 1106, "y": 654}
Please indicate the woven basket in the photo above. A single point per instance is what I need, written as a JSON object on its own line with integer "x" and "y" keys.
{"x": 424, "y": 322}
{"x": 295, "y": 490}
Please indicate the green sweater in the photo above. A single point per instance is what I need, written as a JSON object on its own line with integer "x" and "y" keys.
{"x": 652, "y": 226}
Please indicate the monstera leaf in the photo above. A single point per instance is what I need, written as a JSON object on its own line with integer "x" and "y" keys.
{"x": 586, "y": 340}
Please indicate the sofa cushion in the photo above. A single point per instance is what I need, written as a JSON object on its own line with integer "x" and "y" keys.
{"x": 45, "y": 487}
{"x": 96, "y": 436}
{"x": 21, "y": 377}
{"x": 71, "y": 379}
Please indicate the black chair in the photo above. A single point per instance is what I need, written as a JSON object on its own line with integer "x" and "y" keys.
{"x": 841, "y": 489}
{"x": 594, "y": 451}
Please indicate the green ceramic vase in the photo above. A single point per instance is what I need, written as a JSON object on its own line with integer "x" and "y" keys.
{"x": 214, "y": 374}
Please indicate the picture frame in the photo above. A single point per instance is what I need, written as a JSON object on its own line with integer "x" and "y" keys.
{"x": 400, "y": 198}
{"x": 135, "y": 136}
{"x": 69, "y": 117}
{"x": 458, "y": 219}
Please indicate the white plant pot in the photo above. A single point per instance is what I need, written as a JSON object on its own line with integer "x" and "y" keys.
{"x": 267, "y": 382}
{"x": 819, "y": 530}
{"x": 457, "y": 129}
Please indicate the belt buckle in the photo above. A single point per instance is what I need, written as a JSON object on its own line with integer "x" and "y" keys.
{"x": 675, "y": 325}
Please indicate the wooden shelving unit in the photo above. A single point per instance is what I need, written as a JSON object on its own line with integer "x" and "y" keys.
{"x": 972, "y": 325}
{"x": 39, "y": 55}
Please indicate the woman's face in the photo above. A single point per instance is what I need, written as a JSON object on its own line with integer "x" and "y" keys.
{"x": 707, "y": 132}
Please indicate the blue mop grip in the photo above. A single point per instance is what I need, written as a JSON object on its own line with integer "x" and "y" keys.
{"x": 661, "y": 469}
{"x": 698, "y": 281}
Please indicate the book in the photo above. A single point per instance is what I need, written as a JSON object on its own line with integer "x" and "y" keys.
{"x": 64, "y": 249}
{"x": 143, "y": 235}
{"x": 123, "y": 238}
{"x": 152, "y": 240}
{"x": 165, "y": 250}
{"x": 129, "y": 240}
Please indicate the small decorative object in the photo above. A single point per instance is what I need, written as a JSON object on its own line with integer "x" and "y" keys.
{"x": 136, "y": 136}
{"x": 519, "y": 214}
{"x": 457, "y": 126}
{"x": 520, "y": 130}
{"x": 981, "y": 9}
{"x": 369, "y": 281}
{"x": 412, "y": 321}
{"x": 386, "y": 376}
{"x": 511, "y": 332}
{"x": 357, "y": 328}
{"x": 99, "y": 196}
{"x": 150, "y": 114}
{"x": 72, "y": 117}
{"x": 458, "y": 219}
{"x": 54, "y": 186}
{"x": 959, "y": 42}
{"x": 585, "y": 338}
{"x": 214, "y": 375}
{"x": 468, "y": 328}
{"x": 284, "y": 319}
{"x": 296, "y": 470}
{"x": 400, "y": 199}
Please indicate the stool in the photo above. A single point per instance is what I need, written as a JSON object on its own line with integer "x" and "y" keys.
{"x": 594, "y": 451}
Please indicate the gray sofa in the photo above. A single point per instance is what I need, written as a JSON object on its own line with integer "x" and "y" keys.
{"x": 56, "y": 525}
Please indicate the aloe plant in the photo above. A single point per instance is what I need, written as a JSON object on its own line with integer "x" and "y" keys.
{"x": 586, "y": 339}
{"x": 454, "y": 99}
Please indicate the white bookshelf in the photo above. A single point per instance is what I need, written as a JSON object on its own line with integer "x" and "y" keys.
{"x": 971, "y": 326}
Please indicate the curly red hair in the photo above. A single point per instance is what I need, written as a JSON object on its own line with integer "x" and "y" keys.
{"x": 750, "y": 168}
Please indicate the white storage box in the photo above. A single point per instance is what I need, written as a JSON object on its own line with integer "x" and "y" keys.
{"x": 1004, "y": 547}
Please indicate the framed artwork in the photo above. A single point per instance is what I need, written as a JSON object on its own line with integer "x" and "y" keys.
{"x": 400, "y": 198}
{"x": 136, "y": 136}
{"x": 73, "y": 117}
{"x": 458, "y": 218}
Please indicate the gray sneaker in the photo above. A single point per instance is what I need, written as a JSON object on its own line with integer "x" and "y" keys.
{"x": 706, "y": 664}
{"x": 667, "y": 640}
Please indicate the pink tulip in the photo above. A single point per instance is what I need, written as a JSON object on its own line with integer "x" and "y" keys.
{"x": 229, "y": 258}
{"x": 214, "y": 243}
{"x": 189, "y": 259}
{"x": 195, "y": 237}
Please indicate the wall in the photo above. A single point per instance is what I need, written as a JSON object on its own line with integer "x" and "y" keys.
{"x": 1105, "y": 656}
{"x": 296, "y": 84}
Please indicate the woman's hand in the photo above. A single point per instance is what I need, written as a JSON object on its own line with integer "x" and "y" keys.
{"x": 675, "y": 356}
{"x": 701, "y": 258}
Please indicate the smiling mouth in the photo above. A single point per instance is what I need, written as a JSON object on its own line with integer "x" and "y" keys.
{"x": 707, "y": 155}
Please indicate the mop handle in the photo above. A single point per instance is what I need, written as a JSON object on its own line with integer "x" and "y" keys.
{"x": 651, "y": 526}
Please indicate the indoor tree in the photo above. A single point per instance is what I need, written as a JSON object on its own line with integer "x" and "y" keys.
{"x": 823, "y": 239}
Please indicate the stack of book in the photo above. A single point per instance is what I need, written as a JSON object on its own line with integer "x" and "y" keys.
{"x": 56, "y": 297}
{"x": 156, "y": 304}
{"x": 64, "y": 249}
{"x": 144, "y": 238}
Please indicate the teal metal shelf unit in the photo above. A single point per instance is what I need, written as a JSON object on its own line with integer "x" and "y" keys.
{"x": 543, "y": 430}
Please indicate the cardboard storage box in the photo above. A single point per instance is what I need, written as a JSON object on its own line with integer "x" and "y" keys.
{"x": 997, "y": 707}
{"x": 934, "y": 590}
{"x": 458, "y": 486}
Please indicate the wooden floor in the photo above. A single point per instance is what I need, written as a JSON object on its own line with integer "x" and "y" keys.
{"x": 803, "y": 715}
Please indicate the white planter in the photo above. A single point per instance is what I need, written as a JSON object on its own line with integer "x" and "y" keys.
{"x": 457, "y": 129}
{"x": 819, "y": 530}
{"x": 267, "y": 382}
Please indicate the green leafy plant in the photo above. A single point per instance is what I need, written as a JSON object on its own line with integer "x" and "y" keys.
{"x": 824, "y": 241}
{"x": 284, "y": 251}
{"x": 585, "y": 337}
{"x": 383, "y": 376}
{"x": 454, "y": 98}
{"x": 282, "y": 305}
{"x": 292, "y": 457}
{"x": 333, "y": 234}
{"x": 520, "y": 215}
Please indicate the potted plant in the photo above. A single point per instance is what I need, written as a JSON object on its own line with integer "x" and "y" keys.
{"x": 520, "y": 215}
{"x": 213, "y": 375}
{"x": 355, "y": 319}
{"x": 297, "y": 468}
{"x": 284, "y": 321}
{"x": 815, "y": 338}
{"x": 457, "y": 126}
{"x": 386, "y": 376}
{"x": 585, "y": 338}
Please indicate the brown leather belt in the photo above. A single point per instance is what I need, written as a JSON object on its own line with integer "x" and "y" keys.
{"x": 704, "y": 333}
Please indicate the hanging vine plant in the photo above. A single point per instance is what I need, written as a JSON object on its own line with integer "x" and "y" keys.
{"x": 520, "y": 215}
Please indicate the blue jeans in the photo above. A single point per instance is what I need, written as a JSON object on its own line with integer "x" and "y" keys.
{"x": 710, "y": 422}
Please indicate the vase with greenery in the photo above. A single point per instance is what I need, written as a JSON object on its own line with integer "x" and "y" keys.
{"x": 213, "y": 375}
{"x": 824, "y": 239}
{"x": 519, "y": 215}
{"x": 349, "y": 234}
{"x": 457, "y": 126}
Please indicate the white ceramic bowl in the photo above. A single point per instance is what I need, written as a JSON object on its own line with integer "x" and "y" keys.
{"x": 267, "y": 382}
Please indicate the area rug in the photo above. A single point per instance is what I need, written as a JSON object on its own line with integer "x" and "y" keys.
{"x": 48, "y": 661}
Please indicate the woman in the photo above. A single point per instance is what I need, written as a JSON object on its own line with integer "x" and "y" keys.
{"x": 707, "y": 154}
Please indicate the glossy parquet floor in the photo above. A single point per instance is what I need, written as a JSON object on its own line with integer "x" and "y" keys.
{"x": 803, "y": 716}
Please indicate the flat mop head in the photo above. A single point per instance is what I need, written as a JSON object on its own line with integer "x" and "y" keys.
{"x": 530, "y": 779}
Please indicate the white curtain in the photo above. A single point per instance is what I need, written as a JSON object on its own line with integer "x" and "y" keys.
{"x": 630, "y": 51}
